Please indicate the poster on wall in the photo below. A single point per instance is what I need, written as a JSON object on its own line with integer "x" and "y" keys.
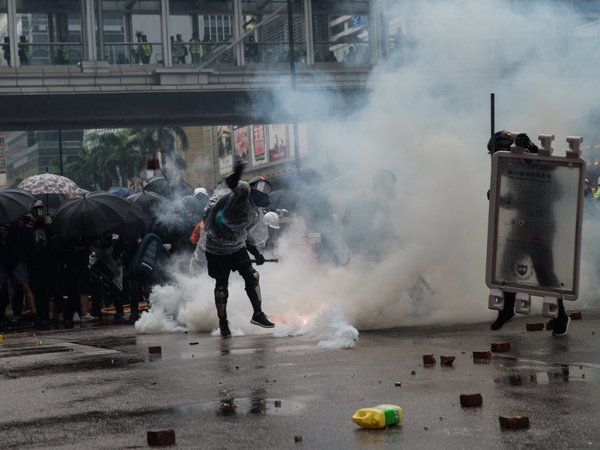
{"x": 258, "y": 143}
{"x": 241, "y": 143}
{"x": 277, "y": 142}
{"x": 225, "y": 149}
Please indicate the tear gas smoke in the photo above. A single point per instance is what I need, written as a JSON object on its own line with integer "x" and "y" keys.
{"x": 426, "y": 119}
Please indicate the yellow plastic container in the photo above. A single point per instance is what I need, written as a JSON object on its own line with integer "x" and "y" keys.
{"x": 379, "y": 416}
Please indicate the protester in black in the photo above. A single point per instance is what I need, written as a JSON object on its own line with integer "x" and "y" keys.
{"x": 233, "y": 228}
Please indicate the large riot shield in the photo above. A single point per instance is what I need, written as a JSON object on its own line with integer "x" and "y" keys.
{"x": 534, "y": 227}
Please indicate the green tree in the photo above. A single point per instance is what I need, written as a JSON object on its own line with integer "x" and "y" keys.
{"x": 79, "y": 169}
{"x": 107, "y": 159}
{"x": 161, "y": 143}
{"x": 111, "y": 158}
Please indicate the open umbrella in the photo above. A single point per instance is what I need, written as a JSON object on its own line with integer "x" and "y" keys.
{"x": 287, "y": 199}
{"x": 168, "y": 187}
{"x": 14, "y": 204}
{"x": 146, "y": 200}
{"x": 91, "y": 215}
{"x": 136, "y": 222}
{"x": 49, "y": 183}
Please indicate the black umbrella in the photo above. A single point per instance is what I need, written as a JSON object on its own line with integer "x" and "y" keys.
{"x": 136, "y": 222}
{"x": 91, "y": 215}
{"x": 168, "y": 187}
{"x": 146, "y": 200}
{"x": 287, "y": 199}
{"x": 14, "y": 204}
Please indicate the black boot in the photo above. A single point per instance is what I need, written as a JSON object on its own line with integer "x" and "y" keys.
{"x": 221, "y": 295}
{"x": 224, "y": 327}
{"x": 560, "y": 325}
{"x": 507, "y": 313}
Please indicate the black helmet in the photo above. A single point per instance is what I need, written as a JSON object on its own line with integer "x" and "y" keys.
{"x": 261, "y": 184}
{"x": 502, "y": 140}
{"x": 261, "y": 188}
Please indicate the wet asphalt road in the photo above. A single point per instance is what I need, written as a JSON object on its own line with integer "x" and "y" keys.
{"x": 98, "y": 387}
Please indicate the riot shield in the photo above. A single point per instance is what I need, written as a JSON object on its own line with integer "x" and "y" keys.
{"x": 534, "y": 225}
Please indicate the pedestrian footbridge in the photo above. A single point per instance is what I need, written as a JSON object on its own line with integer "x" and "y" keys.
{"x": 99, "y": 63}
{"x": 98, "y": 95}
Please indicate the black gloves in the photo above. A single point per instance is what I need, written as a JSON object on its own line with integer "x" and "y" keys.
{"x": 259, "y": 259}
{"x": 522, "y": 140}
{"x": 233, "y": 179}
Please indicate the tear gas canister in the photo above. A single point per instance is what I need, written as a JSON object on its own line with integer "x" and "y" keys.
{"x": 379, "y": 416}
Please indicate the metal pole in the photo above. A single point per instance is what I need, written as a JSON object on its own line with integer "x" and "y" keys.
{"x": 292, "y": 55}
{"x": 60, "y": 151}
{"x": 493, "y": 119}
{"x": 291, "y": 52}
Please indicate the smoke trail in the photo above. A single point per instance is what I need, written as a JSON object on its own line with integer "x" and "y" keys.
{"x": 426, "y": 118}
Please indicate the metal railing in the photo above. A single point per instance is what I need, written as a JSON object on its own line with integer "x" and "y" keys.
{"x": 133, "y": 53}
{"x": 48, "y": 53}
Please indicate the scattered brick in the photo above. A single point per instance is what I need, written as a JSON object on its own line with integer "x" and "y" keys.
{"x": 161, "y": 436}
{"x": 575, "y": 315}
{"x": 471, "y": 400}
{"x": 428, "y": 359}
{"x": 514, "y": 422}
{"x": 155, "y": 350}
{"x": 447, "y": 360}
{"x": 535, "y": 326}
{"x": 482, "y": 355}
{"x": 501, "y": 347}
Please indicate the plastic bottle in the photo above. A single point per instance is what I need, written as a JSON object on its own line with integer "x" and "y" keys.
{"x": 379, "y": 416}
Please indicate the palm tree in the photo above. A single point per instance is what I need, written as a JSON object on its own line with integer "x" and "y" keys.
{"x": 116, "y": 156}
{"x": 79, "y": 169}
{"x": 160, "y": 143}
{"x": 106, "y": 159}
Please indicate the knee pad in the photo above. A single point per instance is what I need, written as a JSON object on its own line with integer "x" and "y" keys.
{"x": 256, "y": 276}
{"x": 221, "y": 294}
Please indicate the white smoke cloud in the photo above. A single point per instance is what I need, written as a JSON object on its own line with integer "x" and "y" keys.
{"x": 427, "y": 119}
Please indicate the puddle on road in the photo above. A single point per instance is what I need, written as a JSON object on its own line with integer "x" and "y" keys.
{"x": 388, "y": 437}
{"x": 257, "y": 404}
{"x": 562, "y": 374}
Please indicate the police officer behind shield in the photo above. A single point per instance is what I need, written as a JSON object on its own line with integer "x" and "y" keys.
{"x": 542, "y": 260}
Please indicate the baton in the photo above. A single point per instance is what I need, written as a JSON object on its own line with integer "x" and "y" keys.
{"x": 267, "y": 260}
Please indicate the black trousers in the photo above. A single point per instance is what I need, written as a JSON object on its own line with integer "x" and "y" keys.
{"x": 220, "y": 266}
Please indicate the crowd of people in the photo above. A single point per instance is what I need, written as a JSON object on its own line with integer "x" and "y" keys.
{"x": 45, "y": 278}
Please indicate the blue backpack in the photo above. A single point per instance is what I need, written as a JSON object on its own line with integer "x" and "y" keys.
{"x": 144, "y": 261}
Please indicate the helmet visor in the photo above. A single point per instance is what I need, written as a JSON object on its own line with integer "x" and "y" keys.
{"x": 262, "y": 186}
